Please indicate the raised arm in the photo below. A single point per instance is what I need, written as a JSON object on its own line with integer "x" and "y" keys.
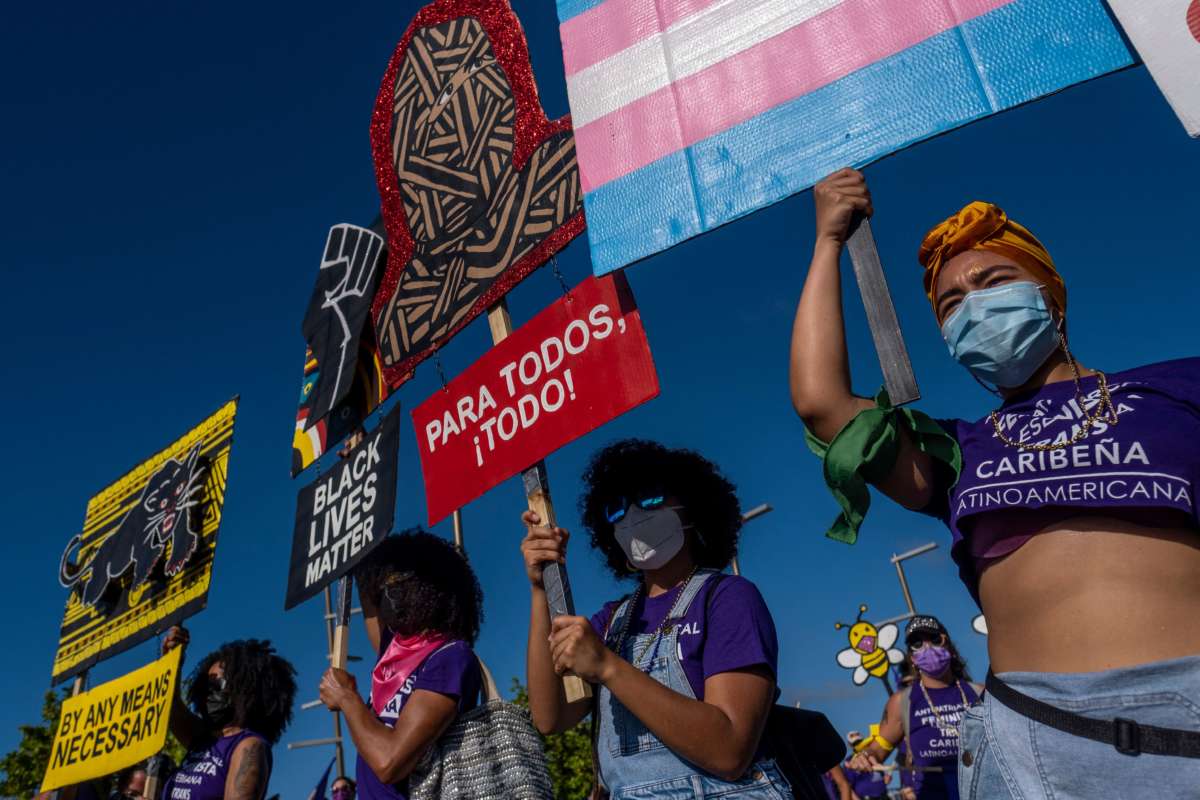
{"x": 547, "y": 700}
{"x": 819, "y": 371}
{"x": 891, "y": 728}
{"x": 187, "y": 727}
{"x": 249, "y": 771}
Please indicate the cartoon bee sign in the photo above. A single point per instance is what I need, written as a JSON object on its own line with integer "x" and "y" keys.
{"x": 870, "y": 653}
{"x": 143, "y": 560}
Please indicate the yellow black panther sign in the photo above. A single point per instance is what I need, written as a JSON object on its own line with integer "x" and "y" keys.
{"x": 145, "y": 554}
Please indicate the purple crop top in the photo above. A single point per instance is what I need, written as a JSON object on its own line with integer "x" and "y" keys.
{"x": 1145, "y": 468}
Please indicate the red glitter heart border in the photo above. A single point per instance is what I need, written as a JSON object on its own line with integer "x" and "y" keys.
{"x": 532, "y": 128}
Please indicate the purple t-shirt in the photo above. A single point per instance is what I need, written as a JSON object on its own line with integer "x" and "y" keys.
{"x": 202, "y": 774}
{"x": 934, "y": 741}
{"x": 451, "y": 670}
{"x": 1145, "y": 468}
{"x": 741, "y": 633}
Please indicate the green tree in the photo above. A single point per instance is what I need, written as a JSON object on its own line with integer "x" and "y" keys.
{"x": 568, "y": 754}
{"x": 22, "y": 770}
{"x": 24, "y": 767}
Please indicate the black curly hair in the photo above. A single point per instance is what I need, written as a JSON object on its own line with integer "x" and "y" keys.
{"x": 420, "y": 582}
{"x": 625, "y": 468}
{"x": 261, "y": 683}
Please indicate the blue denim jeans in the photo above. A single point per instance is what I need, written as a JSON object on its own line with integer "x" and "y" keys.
{"x": 1005, "y": 756}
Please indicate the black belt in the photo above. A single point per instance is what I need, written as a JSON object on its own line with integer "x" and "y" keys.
{"x": 1127, "y": 736}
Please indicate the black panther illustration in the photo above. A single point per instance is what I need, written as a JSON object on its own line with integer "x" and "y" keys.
{"x": 163, "y": 512}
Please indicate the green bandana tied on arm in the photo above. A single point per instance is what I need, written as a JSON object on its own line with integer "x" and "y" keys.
{"x": 865, "y": 451}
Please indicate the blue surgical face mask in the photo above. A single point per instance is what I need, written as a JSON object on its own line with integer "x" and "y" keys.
{"x": 1003, "y": 334}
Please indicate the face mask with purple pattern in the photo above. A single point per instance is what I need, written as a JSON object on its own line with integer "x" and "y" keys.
{"x": 932, "y": 660}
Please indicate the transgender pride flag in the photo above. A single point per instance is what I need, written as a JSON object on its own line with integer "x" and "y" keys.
{"x": 690, "y": 113}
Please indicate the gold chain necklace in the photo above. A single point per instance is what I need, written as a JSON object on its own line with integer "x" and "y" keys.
{"x": 662, "y": 628}
{"x": 941, "y": 723}
{"x": 1104, "y": 409}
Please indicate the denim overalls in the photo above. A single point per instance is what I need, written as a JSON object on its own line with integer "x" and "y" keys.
{"x": 633, "y": 763}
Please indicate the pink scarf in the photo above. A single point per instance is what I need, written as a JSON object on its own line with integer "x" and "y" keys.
{"x": 403, "y": 655}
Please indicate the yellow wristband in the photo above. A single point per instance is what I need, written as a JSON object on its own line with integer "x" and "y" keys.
{"x": 863, "y": 744}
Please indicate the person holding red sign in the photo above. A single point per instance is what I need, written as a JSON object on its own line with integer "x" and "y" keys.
{"x": 1072, "y": 507}
{"x": 422, "y": 607}
{"x": 685, "y": 666}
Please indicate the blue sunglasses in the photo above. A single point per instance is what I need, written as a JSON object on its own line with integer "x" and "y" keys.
{"x": 615, "y": 512}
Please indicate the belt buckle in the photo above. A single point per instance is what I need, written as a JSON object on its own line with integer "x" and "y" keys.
{"x": 1127, "y": 737}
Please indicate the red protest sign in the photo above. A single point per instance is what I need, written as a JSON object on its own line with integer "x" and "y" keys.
{"x": 573, "y": 367}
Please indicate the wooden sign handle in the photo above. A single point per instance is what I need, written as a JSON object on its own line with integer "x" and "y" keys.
{"x": 537, "y": 492}
{"x": 341, "y": 621}
{"x": 554, "y": 575}
{"x": 881, "y": 316}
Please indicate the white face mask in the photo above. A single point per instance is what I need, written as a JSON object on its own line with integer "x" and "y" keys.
{"x": 650, "y": 538}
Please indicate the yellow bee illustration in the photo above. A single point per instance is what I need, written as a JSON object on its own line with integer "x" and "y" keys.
{"x": 870, "y": 651}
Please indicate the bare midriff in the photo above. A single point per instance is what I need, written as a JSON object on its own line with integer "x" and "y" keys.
{"x": 1091, "y": 594}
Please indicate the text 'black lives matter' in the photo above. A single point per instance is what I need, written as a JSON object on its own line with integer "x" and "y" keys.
{"x": 344, "y": 513}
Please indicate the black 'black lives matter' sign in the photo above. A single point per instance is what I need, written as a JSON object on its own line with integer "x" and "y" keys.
{"x": 343, "y": 514}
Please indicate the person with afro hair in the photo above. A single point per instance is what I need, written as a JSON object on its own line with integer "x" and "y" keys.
{"x": 422, "y": 607}
{"x": 238, "y": 704}
{"x": 684, "y": 668}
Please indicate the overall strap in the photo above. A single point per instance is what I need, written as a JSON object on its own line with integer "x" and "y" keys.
{"x": 619, "y": 622}
{"x": 692, "y": 589}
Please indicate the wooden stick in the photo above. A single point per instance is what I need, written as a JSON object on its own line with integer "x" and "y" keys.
{"x": 881, "y": 316}
{"x": 458, "y": 533}
{"x": 339, "y": 752}
{"x": 341, "y": 622}
{"x": 537, "y": 494}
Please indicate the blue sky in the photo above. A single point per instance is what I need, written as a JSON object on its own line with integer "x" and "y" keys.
{"x": 170, "y": 173}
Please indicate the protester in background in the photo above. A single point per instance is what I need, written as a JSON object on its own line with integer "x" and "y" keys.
{"x": 422, "y": 607}
{"x": 131, "y": 783}
{"x": 925, "y": 715}
{"x": 684, "y": 668}
{"x": 343, "y": 789}
{"x": 1075, "y": 499}
{"x": 241, "y": 695}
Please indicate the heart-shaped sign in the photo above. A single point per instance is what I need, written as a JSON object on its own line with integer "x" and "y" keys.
{"x": 478, "y": 187}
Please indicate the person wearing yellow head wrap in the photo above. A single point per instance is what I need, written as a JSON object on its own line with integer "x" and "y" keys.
{"x": 1072, "y": 508}
{"x": 985, "y": 226}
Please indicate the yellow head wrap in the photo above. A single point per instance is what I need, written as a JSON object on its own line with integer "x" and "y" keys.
{"x": 984, "y": 226}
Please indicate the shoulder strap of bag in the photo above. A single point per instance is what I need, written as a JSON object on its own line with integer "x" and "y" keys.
{"x": 487, "y": 688}
{"x": 906, "y": 716}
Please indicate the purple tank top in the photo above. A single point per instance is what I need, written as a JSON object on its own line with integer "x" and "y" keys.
{"x": 202, "y": 774}
{"x": 1144, "y": 468}
{"x": 933, "y": 737}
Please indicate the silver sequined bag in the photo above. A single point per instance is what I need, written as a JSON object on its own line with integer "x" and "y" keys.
{"x": 491, "y": 752}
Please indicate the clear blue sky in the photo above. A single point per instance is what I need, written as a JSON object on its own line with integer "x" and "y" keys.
{"x": 169, "y": 176}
